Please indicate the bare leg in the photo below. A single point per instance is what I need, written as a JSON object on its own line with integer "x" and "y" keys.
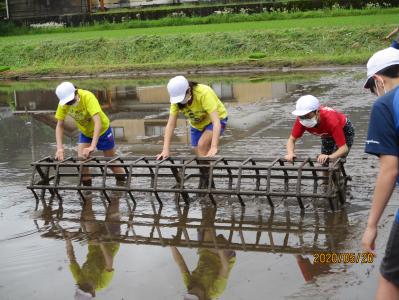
{"x": 87, "y": 217}
{"x": 86, "y": 170}
{"x": 386, "y": 290}
{"x": 204, "y": 144}
{"x": 116, "y": 170}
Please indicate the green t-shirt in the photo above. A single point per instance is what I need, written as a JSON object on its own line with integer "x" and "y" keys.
{"x": 83, "y": 113}
{"x": 207, "y": 274}
{"x": 205, "y": 101}
{"x": 93, "y": 270}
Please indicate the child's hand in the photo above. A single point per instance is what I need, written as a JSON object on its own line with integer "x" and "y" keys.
{"x": 87, "y": 151}
{"x": 212, "y": 152}
{"x": 59, "y": 155}
{"x": 164, "y": 154}
{"x": 323, "y": 158}
{"x": 290, "y": 157}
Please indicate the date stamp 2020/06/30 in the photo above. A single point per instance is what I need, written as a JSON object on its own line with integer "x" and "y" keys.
{"x": 343, "y": 257}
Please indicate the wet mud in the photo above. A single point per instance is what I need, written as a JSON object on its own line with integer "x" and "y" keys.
{"x": 117, "y": 251}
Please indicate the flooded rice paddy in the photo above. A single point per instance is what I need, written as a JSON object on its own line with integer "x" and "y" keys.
{"x": 155, "y": 252}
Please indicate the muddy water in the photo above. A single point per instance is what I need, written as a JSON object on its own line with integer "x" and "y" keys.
{"x": 153, "y": 253}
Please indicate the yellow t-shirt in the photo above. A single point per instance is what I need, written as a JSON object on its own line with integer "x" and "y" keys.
{"x": 205, "y": 101}
{"x": 207, "y": 273}
{"x": 83, "y": 113}
{"x": 93, "y": 270}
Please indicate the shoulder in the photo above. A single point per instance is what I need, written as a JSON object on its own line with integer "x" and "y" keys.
{"x": 328, "y": 110}
{"x": 330, "y": 116}
{"x": 202, "y": 89}
{"x": 84, "y": 94}
{"x": 384, "y": 103}
{"x": 388, "y": 98}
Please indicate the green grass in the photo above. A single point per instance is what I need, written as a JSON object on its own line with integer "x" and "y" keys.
{"x": 331, "y": 22}
{"x": 301, "y": 42}
{"x": 9, "y": 29}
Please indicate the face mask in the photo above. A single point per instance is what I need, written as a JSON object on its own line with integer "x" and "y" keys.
{"x": 186, "y": 99}
{"x": 309, "y": 123}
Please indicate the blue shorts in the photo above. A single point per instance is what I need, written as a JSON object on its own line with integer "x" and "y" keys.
{"x": 196, "y": 134}
{"x": 395, "y": 44}
{"x": 105, "y": 142}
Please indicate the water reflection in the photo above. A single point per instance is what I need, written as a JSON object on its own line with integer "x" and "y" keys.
{"x": 217, "y": 236}
{"x": 97, "y": 271}
{"x": 273, "y": 251}
{"x": 139, "y": 113}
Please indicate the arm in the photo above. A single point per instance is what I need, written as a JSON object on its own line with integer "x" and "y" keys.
{"x": 290, "y": 149}
{"x": 96, "y": 136}
{"x": 109, "y": 260}
{"x": 179, "y": 260}
{"x": 169, "y": 129}
{"x": 341, "y": 151}
{"x": 224, "y": 269}
{"x": 70, "y": 252}
{"x": 384, "y": 187}
{"x": 338, "y": 135}
{"x": 59, "y": 133}
{"x": 215, "y": 133}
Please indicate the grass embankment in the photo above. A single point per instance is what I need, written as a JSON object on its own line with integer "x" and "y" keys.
{"x": 9, "y": 29}
{"x": 298, "y": 42}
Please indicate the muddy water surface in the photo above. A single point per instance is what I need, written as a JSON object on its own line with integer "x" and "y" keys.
{"x": 154, "y": 253}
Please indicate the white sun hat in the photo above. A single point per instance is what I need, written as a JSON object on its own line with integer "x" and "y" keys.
{"x": 177, "y": 88}
{"x": 379, "y": 61}
{"x": 190, "y": 297}
{"x": 305, "y": 105}
{"x": 81, "y": 295}
{"x": 65, "y": 92}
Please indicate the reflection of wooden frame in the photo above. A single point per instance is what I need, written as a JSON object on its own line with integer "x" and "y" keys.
{"x": 284, "y": 232}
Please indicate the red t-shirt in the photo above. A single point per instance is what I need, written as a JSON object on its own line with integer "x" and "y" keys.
{"x": 331, "y": 124}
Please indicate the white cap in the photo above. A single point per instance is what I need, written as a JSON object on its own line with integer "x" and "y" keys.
{"x": 177, "y": 88}
{"x": 381, "y": 60}
{"x": 65, "y": 92}
{"x": 190, "y": 297}
{"x": 81, "y": 295}
{"x": 305, "y": 105}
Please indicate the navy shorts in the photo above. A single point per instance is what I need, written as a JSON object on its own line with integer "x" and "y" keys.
{"x": 328, "y": 145}
{"x": 390, "y": 263}
{"x": 196, "y": 134}
{"x": 105, "y": 142}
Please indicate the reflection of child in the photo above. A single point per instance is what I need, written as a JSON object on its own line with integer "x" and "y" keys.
{"x": 97, "y": 272}
{"x": 309, "y": 270}
{"x": 395, "y": 43}
{"x": 209, "y": 279}
{"x": 210, "y": 273}
{"x": 94, "y": 274}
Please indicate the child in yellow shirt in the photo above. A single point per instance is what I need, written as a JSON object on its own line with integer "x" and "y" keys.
{"x": 206, "y": 114}
{"x": 91, "y": 121}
